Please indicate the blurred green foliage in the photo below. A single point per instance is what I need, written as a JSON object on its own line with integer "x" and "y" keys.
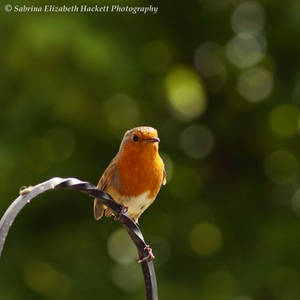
{"x": 220, "y": 81}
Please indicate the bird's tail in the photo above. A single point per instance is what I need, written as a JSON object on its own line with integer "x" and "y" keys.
{"x": 98, "y": 209}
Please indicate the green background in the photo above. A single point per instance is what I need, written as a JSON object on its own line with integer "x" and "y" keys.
{"x": 220, "y": 81}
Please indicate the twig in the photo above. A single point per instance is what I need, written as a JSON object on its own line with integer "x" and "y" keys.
{"x": 57, "y": 183}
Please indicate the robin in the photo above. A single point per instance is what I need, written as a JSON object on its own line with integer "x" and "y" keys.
{"x": 134, "y": 176}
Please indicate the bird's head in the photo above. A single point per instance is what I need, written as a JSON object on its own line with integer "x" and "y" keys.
{"x": 140, "y": 138}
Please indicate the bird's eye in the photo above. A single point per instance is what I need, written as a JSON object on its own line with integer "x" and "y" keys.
{"x": 135, "y": 138}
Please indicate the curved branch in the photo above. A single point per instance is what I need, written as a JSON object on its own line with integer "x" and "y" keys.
{"x": 57, "y": 183}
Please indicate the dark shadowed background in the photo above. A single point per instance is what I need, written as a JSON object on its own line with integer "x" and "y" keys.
{"x": 220, "y": 81}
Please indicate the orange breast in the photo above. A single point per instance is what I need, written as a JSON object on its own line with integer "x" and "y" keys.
{"x": 140, "y": 170}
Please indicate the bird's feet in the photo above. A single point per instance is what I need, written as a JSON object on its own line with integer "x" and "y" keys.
{"x": 124, "y": 210}
{"x": 149, "y": 256}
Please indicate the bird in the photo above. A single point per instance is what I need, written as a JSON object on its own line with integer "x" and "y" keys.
{"x": 135, "y": 175}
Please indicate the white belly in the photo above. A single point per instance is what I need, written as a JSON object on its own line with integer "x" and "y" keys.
{"x": 136, "y": 205}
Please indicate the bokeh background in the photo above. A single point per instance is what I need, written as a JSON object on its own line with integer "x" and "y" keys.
{"x": 220, "y": 81}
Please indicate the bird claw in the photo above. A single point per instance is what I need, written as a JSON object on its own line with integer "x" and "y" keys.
{"x": 149, "y": 256}
{"x": 124, "y": 210}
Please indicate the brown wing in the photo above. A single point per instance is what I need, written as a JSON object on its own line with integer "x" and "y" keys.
{"x": 103, "y": 183}
{"x": 108, "y": 174}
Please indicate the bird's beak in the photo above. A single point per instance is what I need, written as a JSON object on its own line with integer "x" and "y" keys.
{"x": 153, "y": 140}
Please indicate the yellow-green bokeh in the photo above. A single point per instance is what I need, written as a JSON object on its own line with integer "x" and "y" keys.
{"x": 205, "y": 239}
{"x": 185, "y": 92}
{"x": 284, "y": 120}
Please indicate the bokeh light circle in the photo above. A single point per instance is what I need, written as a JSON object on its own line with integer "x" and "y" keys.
{"x": 185, "y": 93}
{"x": 207, "y": 59}
{"x": 121, "y": 248}
{"x": 281, "y": 167}
{"x": 255, "y": 84}
{"x": 205, "y": 239}
{"x": 284, "y": 119}
{"x": 245, "y": 50}
{"x": 45, "y": 280}
{"x": 197, "y": 141}
{"x": 248, "y": 17}
{"x": 128, "y": 278}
